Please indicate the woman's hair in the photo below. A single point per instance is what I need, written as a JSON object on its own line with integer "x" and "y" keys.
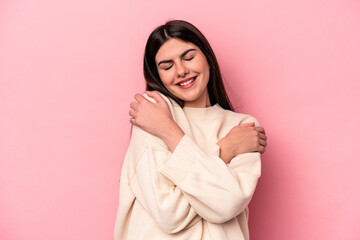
{"x": 189, "y": 33}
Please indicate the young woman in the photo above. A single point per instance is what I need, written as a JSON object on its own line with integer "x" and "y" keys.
{"x": 192, "y": 164}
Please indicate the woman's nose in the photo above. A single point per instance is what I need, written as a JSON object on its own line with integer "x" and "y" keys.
{"x": 181, "y": 70}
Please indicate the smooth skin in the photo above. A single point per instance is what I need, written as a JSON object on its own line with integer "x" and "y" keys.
{"x": 178, "y": 61}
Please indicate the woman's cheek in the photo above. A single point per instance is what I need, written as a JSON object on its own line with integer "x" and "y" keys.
{"x": 165, "y": 78}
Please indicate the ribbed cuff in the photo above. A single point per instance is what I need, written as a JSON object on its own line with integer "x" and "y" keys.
{"x": 181, "y": 160}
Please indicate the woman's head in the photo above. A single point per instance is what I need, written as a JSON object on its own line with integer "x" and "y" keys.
{"x": 177, "y": 52}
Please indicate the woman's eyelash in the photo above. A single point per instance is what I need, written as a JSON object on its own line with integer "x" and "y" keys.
{"x": 186, "y": 59}
{"x": 168, "y": 67}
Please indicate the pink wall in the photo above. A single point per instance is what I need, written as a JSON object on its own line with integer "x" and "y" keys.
{"x": 69, "y": 69}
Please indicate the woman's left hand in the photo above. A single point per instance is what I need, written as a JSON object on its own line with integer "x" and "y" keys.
{"x": 155, "y": 118}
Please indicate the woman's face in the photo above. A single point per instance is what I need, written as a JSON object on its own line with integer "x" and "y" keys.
{"x": 184, "y": 71}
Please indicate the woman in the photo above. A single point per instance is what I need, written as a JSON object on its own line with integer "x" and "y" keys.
{"x": 192, "y": 164}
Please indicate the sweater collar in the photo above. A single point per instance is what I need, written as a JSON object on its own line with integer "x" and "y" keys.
{"x": 201, "y": 113}
{"x": 198, "y": 113}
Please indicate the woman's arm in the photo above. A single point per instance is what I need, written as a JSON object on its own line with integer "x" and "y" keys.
{"x": 155, "y": 118}
{"x": 198, "y": 181}
{"x": 217, "y": 192}
{"x": 178, "y": 188}
{"x": 159, "y": 196}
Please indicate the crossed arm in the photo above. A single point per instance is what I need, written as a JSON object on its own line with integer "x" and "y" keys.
{"x": 178, "y": 184}
{"x": 147, "y": 115}
{"x": 179, "y": 188}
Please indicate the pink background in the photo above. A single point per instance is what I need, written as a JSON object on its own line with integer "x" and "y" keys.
{"x": 69, "y": 70}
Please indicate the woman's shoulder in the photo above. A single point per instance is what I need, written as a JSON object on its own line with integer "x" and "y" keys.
{"x": 239, "y": 118}
{"x": 171, "y": 103}
{"x": 228, "y": 115}
{"x": 167, "y": 99}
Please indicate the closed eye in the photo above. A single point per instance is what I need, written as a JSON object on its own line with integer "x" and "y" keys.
{"x": 168, "y": 67}
{"x": 189, "y": 59}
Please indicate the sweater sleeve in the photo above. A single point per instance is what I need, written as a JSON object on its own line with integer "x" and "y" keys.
{"x": 180, "y": 187}
{"x": 126, "y": 199}
{"x": 159, "y": 196}
{"x": 216, "y": 191}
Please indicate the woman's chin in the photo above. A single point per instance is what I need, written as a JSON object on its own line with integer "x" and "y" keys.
{"x": 189, "y": 98}
{"x": 185, "y": 96}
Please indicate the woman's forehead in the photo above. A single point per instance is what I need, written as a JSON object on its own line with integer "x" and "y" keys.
{"x": 173, "y": 48}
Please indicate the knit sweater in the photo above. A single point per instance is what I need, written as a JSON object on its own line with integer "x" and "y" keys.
{"x": 190, "y": 193}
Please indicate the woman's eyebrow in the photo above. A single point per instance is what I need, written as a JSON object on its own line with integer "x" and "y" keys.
{"x": 182, "y": 55}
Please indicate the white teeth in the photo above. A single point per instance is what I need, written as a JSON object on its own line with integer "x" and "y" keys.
{"x": 187, "y": 82}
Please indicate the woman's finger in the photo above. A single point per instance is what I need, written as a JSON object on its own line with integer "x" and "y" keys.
{"x": 262, "y": 143}
{"x": 247, "y": 124}
{"x": 133, "y": 121}
{"x": 260, "y": 129}
{"x": 262, "y": 136}
{"x": 132, "y": 113}
{"x": 261, "y": 149}
{"x": 155, "y": 95}
{"x": 134, "y": 105}
{"x": 138, "y": 97}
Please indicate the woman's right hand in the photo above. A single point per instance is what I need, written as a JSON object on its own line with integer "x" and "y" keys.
{"x": 155, "y": 118}
{"x": 242, "y": 139}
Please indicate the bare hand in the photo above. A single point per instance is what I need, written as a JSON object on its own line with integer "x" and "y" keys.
{"x": 155, "y": 118}
{"x": 242, "y": 139}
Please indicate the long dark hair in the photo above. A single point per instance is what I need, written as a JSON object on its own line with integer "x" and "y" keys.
{"x": 189, "y": 33}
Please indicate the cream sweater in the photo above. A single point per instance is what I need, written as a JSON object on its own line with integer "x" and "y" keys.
{"x": 190, "y": 194}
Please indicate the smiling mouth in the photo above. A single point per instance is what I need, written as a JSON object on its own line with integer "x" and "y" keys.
{"x": 187, "y": 82}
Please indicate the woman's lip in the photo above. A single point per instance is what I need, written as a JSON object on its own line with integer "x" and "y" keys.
{"x": 188, "y": 85}
{"x": 186, "y": 80}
